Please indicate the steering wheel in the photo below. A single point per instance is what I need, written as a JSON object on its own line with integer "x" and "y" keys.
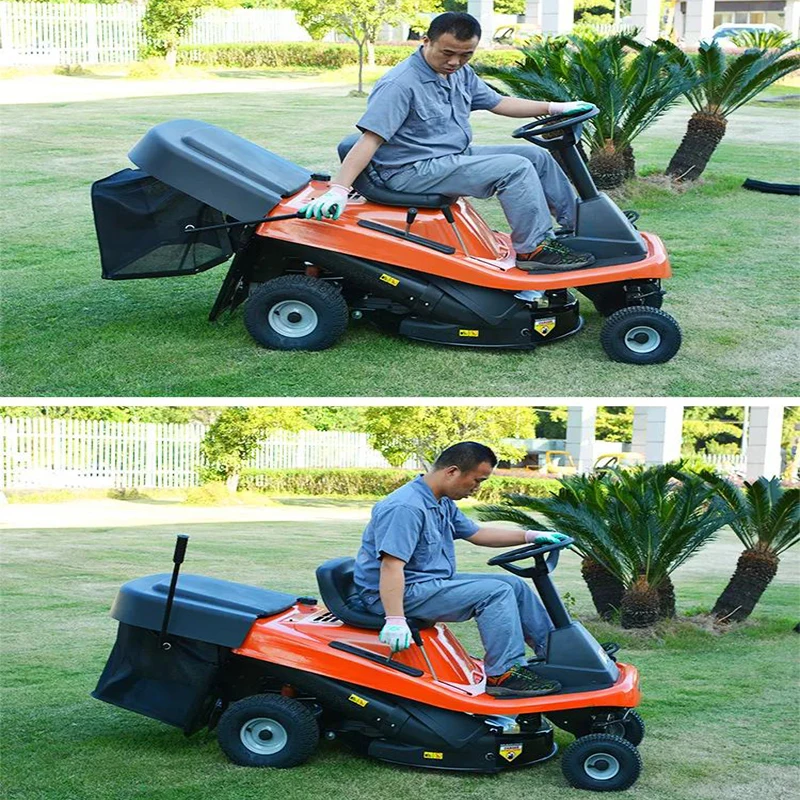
{"x": 534, "y": 132}
{"x": 534, "y": 551}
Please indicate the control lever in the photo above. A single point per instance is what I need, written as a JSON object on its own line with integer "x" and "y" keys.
{"x": 411, "y": 215}
{"x": 448, "y": 215}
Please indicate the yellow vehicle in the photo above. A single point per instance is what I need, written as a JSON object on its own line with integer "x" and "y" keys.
{"x": 559, "y": 462}
{"x": 617, "y": 460}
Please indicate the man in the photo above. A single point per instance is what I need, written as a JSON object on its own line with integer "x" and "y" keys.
{"x": 406, "y": 566}
{"x": 416, "y": 133}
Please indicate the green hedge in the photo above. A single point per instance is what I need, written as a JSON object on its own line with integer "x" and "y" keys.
{"x": 310, "y": 54}
{"x": 372, "y": 483}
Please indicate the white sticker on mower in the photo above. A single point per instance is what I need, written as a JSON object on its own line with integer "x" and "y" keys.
{"x": 544, "y": 326}
{"x": 510, "y": 751}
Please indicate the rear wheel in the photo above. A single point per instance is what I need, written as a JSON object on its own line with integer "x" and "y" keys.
{"x": 267, "y": 731}
{"x": 641, "y": 335}
{"x": 601, "y": 763}
{"x": 296, "y": 312}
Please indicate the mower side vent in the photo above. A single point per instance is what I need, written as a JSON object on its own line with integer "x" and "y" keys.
{"x": 325, "y": 619}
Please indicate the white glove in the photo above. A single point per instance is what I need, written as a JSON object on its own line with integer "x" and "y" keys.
{"x": 396, "y": 634}
{"x": 575, "y": 107}
{"x": 331, "y": 204}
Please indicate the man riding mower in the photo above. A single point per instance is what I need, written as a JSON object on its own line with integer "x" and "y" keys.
{"x": 274, "y": 673}
{"x": 393, "y": 238}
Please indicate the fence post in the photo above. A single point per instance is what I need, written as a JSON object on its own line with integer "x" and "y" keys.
{"x": 92, "y": 41}
{"x": 150, "y": 456}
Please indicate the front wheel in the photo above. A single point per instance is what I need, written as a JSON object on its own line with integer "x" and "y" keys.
{"x": 641, "y": 335}
{"x": 267, "y": 731}
{"x": 631, "y": 728}
{"x": 296, "y": 312}
{"x": 601, "y": 763}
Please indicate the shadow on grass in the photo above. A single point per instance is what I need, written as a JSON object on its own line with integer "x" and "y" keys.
{"x": 266, "y": 73}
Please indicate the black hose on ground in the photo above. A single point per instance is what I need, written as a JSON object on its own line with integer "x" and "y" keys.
{"x": 771, "y": 188}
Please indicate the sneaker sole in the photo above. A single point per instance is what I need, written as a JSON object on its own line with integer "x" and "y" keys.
{"x": 552, "y": 268}
{"x": 499, "y": 691}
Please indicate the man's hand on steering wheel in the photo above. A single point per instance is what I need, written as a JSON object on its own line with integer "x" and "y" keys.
{"x": 544, "y": 537}
{"x": 573, "y": 107}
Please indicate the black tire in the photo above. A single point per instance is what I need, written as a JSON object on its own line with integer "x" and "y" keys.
{"x": 601, "y": 763}
{"x": 267, "y": 730}
{"x": 296, "y": 312}
{"x": 641, "y": 335}
{"x": 632, "y": 728}
{"x": 608, "y": 298}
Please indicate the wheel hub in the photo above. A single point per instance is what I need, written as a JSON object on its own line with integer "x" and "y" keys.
{"x": 263, "y": 736}
{"x": 642, "y": 339}
{"x": 293, "y": 318}
{"x": 601, "y": 766}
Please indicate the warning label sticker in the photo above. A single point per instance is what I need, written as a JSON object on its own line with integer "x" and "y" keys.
{"x": 510, "y": 751}
{"x": 544, "y": 326}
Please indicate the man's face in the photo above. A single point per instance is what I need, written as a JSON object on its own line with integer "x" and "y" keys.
{"x": 459, "y": 485}
{"x": 447, "y": 54}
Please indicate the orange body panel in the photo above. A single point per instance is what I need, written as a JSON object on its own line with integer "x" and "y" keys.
{"x": 481, "y": 267}
{"x": 299, "y": 639}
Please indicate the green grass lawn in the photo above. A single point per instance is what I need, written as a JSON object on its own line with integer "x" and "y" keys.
{"x": 68, "y": 333}
{"x": 721, "y": 710}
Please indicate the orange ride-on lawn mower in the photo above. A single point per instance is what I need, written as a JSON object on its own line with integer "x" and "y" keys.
{"x": 274, "y": 673}
{"x": 424, "y": 266}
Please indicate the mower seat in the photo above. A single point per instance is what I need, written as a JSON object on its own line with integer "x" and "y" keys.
{"x": 335, "y": 580}
{"x": 368, "y": 185}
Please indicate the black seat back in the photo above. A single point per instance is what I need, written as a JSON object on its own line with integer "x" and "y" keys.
{"x": 338, "y": 591}
{"x": 369, "y": 186}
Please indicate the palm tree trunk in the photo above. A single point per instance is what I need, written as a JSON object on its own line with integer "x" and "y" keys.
{"x": 666, "y": 598}
{"x": 703, "y": 134}
{"x": 754, "y": 571}
{"x": 607, "y": 167}
{"x": 640, "y": 605}
{"x": 606, "y": 589}
{"x": 629, "y": 161}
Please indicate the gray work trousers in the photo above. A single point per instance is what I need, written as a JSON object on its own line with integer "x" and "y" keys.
{"x": 526, "y": 179}
{"x": 505, "y": 608}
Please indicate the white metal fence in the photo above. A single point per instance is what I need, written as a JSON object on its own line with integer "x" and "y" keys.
{"x": 84, "y": 33}
{"x": 43, "y": 453}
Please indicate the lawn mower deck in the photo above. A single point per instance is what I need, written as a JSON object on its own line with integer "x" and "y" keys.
{"x": 273, "y": 672}
{"x": 423, "y": 266}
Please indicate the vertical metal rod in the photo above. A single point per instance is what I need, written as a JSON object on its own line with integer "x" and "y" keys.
{"x": 177, "y": 560}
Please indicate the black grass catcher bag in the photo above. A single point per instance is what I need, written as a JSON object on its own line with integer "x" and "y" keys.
{"x": 140, "y": 224}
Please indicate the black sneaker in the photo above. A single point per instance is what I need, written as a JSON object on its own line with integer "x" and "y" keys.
{"x": 552, "y": 256}
{"x": 520, "y": 681}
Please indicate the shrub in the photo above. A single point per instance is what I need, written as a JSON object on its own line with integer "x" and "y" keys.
{"x": 373, "y": 483}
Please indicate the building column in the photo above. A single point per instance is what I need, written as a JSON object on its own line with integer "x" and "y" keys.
{"x": 580, "y": 435}
{"x": 764, "y": 442}
{"x": 483, "y": 11}
{"x": 791, "y": 22}
{"x": 533, "y": 13}
{"x": 645, "y": 15}
{"x": 699, "y": 20}
{"x": 639, "y": 438}
{"x": 664, "y": 433}
{"x": 557, "y": 16}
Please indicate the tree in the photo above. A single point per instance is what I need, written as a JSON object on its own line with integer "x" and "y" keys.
{"x": 790, "y": 442}
{"x": 766, "y": 518}
{"x": 632, "y": 85}
{"x": 638, "y": 525}
{"x": 712, "y": 429}
{"x": 236, "y": 433}
{"x": 359, "y": 20}
{"x": 721, "y": 85}
{"x": 404, "y": 432}
{"x": 178, "y": 414}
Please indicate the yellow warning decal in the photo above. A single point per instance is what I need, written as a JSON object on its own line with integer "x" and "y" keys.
{"x": 437, "y": 756}
{"x": 544, "y": 326}
{"x": 510, "y": 751}
{"x": 389, "y": 279}
{"x": 359, "y": 701}
{"x": 473, "y": 334}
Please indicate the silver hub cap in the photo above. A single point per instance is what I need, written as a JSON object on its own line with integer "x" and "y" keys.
{"x": 293, "y": 318}
{"x": 264, "y": 736}
{"x": 642, "y": 339}
{"x": 601, "y": 766}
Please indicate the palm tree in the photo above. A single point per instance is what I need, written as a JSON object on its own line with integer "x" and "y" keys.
{"x": 761, "y": 40}
{"x": 639, "y": 524}
{"x": 632, "y": 86}
{"x": 767, "y": 521}
{"x": 722, "y": 85}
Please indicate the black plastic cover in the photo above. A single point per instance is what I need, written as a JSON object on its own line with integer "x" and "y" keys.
{"x": 173, "y": 686}
{"x": 207, "y": 609}
{"x": 218, "y": 167}
{"x": 140, "y": 224}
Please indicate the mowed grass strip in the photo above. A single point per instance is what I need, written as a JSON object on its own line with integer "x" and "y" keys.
{"x": 67, "y": 332}
{"x": 721, "y": 710}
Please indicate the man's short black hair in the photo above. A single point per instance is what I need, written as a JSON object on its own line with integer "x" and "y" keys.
{"x": 463, "y": 26}
{"x": 466, "y": 456}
